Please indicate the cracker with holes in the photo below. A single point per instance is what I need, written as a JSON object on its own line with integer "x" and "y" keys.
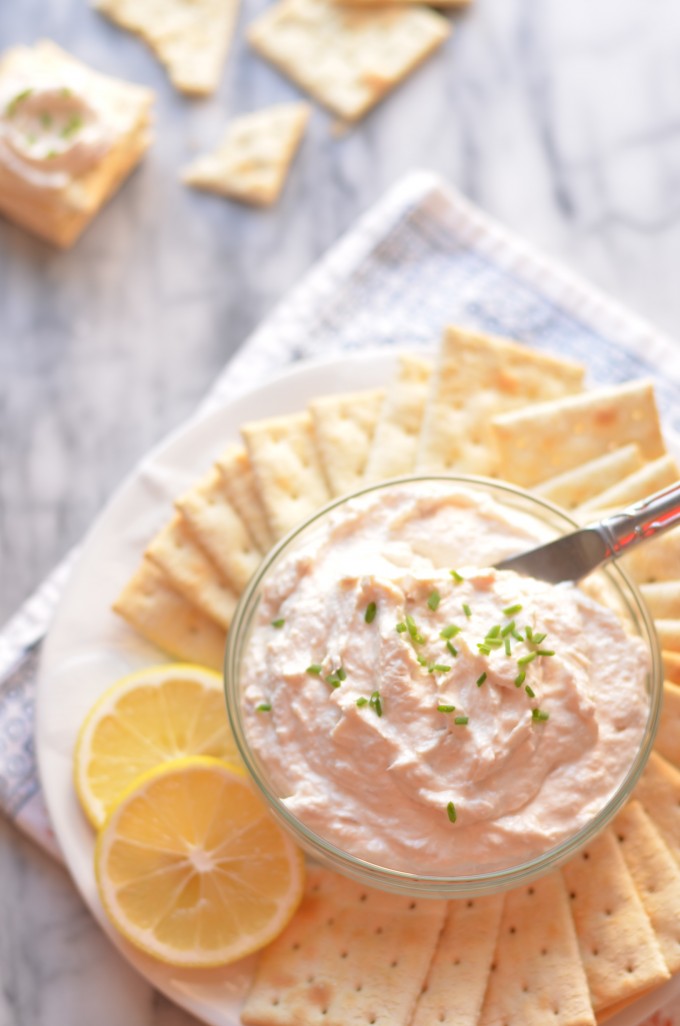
{"x": 659, "y": 792}
{"x": 287, "y": 468}
{"x": 550, "y": 438}
{"x": 347, "y": 59}
{"x": 395, "y": 443}
{"x": 476, "y": 377}
{"x": 643, "y": 482}
{"x": 667, "y": 741}
{"x": 537, "y": 972}
{"x": 164, "y": 617}
{"x": 351, "y": 956}
{"x": 457, "y": 980}
{"x": 220, "y": 531}
{"x": 656, "y": 560}
{"x": 239, "y": 484}
{"x": 344, "y": 426}
{"x": 620, "y": 952}
{"x": 252, "y": 161}
{"x": 586, "y": 481}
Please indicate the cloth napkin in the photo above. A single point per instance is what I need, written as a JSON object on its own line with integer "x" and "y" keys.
{"x": 422, "y": 258}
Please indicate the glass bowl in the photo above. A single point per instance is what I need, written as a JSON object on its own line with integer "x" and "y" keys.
{"x": 615, "y": 589}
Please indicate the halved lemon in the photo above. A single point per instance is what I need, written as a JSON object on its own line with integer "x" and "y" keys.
{"x": 161, "y": 713}
{"x": 191, "y": 867}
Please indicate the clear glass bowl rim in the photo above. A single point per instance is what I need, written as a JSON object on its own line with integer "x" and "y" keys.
{"x": 418, "y": 884}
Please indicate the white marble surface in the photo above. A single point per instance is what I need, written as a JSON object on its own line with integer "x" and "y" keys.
{"x": 561, "y": 119}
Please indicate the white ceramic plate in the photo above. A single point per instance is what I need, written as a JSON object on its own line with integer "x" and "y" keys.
{"x": 88, "y": 648}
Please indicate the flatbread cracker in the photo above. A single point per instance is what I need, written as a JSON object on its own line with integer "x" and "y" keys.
{"x": 667, "y": 741}
{"x": 252, "y": 161}
{"x": 575, "y": 487}
{"x": 191, "y": 572}
{"x": 165, "y": 618}
{"x": 658, "y": 789}
{"x": 350, "y": 955}
{"x": 656, "y": 876}
{"x": 190, "y": 39}
{"x": 549, "y": 438}
{"x": 650, "y": 478}
{"x": 344, "y": 426}
{"x": 287, "y": 468}
{"x": 219, "y": 530}
{"x": 537, "y": 974}
{"x": 395, "y": 443}
{"x": 456, "y": 983}
{"x": 347, "y": 59}
{"x": 619, "y": 949}
{"x": 239, "y": 482}
{"x": 476, "y": 377}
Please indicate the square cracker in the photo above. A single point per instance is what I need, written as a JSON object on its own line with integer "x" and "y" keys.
{"x": 241, "y": 488}
{"x": 575, "y": 487}
{"x": 667, "y": 741}
{"x": 191, "y": 572}
{"x": 650, "y": 478}
{"x": 656, "y": 876}
{"x": 456, "y": 983}
{"x": 549, "y": 438}
{"x": 288, "y": 471}
{"x": 190, "y": 39}
{"x": 344, "y": 426}
{"x": 219, "y": 530}
{"x": 160, "y": 614}
{"x": 476, "y": 377}
{"x": 393, "y": 451}
{"x": 252, "y": 161}
{"x": 346, "y": 58}
{"x": 658, "y": 790}
{"x": 537, "y": 975}
{"x": 349, "y": 955}
{"x": 619, "y": 949}
{"x": 657, "y": 560}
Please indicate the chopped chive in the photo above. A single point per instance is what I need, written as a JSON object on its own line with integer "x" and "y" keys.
{"x": 415, "y": 635}
{"x": 451, "y": 812}
{"x": 375, "y": 703}
{"x": 371, "y": 610}
{"x": 446, "y": 708}
{"x": 530, "y": 691}
{"x": 401, "y": 628}
{"x": 481, "y": 679}
{"x": 467, "y": 610}
{"x": 516, "y": 635}
{"x": 458, "y": 578}
{"x": 452, "y": 649}
{"x": 494, "y": 631}
{"x": 361, "y": 702}
{"x": 341, "y": 674}
{"x": 66, "y": 92}
{"x": 434, "y": 599}
{"x": 508, "y": 629}
{"x": 539, "y": 716}
{"x": 538, "y": 638}
{"x": 484, "y": 649}
{"x": 263, "y": 707}
{"x": 493, "y": 642}
{"x": 13, "y": 105}
{"x": 52, "y": 155}
{"x": 529, "y": 633}
{"x": 508, "y": 650}
{"x": 439, "y": 668}
{"x": 422, "y": 660}
{"x": 520, "y": 678}
{"x": 545, "y": 652}
{"x": 332, "y": 681}
{"x": 529, "y": 658}
{"x": 511, "y": 610}
{"x": 73, "y": 125}
{"x": 314, "y": 670}
{"x": 462, "y": 721}
{"x": 45, "y": 119}
{"x": 278, "y": 623}
{"x": 449, "y": 632}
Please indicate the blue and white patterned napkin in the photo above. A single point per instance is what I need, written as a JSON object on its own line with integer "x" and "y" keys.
{"x": 423, "y": 257}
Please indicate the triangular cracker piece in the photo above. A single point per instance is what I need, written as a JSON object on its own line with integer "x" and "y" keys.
{"x": 667, "y": 741}
{"x": 537, "y": 975}
{"x": 658, "y": 789}
{"x": 191, "y": 572}
{"x": 287, "y": 468}
{"x": 457, "y": 980}
{"x": 351, "y": 955}
{"x": 549, "y": 438}
{"x": 191, "y": 39}
{"x": 577, "y": 486}
{"x": 252, "y": 161}
{"x": 160, "y": 614}
{"x": 395, "y": 442}
{"x": 344, "y": 426}
{"x": 345, "y": 58}
{"x": 643, "y": 482}
{"x": 219, "y": 530}
{"x": 657, "y": 560}
{"x": 619, "y": 949}
{"x": 241, "y": 488}
{"x": 656, "y": 876}
{"x": 476, "y": 377}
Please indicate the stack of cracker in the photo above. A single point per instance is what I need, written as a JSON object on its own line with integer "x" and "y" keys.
{"x": 575, "y": 946}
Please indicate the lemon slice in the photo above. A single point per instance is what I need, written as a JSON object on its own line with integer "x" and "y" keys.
{"x": 164, "y": 712}
{"x": 191, "y": 867}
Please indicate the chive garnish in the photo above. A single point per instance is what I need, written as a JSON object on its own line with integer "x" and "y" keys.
{"x": 52, "y": 155}
{"x": 375, "y": 703}
{"x": 458, "y": 578}
{"x": 539, "y": 716}
{"x": 511, "y": 610}
{"x": 529, "y": 633}
{"x": 452, "y": 649}
{"x": 332, "y": 681}
{"x": 434, "y": 599}
{"x": 73, "y": 125}
{"x": 538, "y": 638}
{"x": 481, "y": 679}
{"x": 529, "y": 658}
{"x": 422, "y": 660}
{"x": 446, "y": 708}
{"x": 371, "y": 610}
{"x": 439, "y": 668}
{"x": 315, "y": 669}
{"x": 494, "y": 631}
{"x": 520, "y": 678}
{"x": 516, "y": 635}
{"x": 340, "y": 673}
{"x": 451, "y": 812}
{"x": 467, "y": 610}
{"x": 66, "y": 92}
{"x": 508, "y": 650}
{"x": 415, "y": 635}
{"x": 13, "y": 105}
{"x": 545, "y": 652}
{"x": 530, "y": 691}
{"x": 484, "y": 649}
{"x": 263, "y": 707}
{"x": 493, "y": 642}
{"x": 401, "y": 628}
{"x": 462, "y": 721}
{"x": 278, "y": 623}
{"x": 361, "y": 702}
{"x": 508, "y": 629}
{"x": 45, "y": 119}
{"x": 449, "y": 632}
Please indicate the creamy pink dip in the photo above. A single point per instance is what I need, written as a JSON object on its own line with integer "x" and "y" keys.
{"x": 392, "y": 733}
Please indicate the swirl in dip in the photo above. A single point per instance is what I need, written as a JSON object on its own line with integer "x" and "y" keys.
{"x": 431, "y": 721}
